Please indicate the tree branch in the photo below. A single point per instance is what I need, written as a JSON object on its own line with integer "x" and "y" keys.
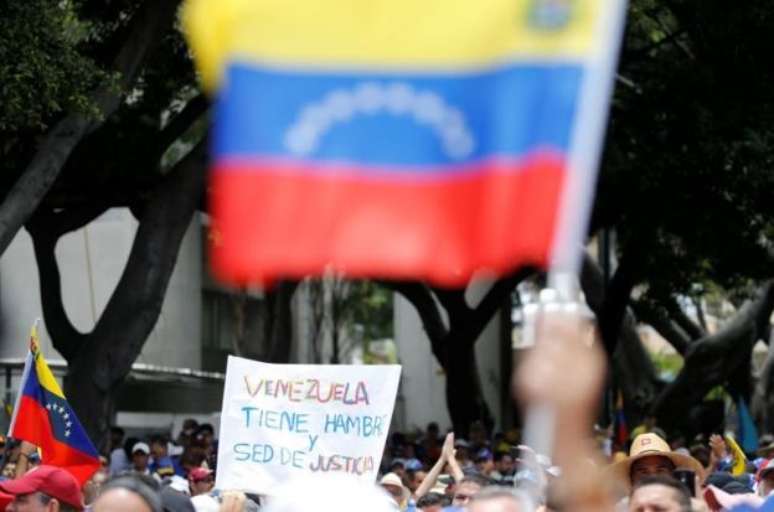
{"x": 711, "y": 361}
{"x": 657, "y": 318}
{"x": 616, "y": 298}
{"x": 678, "y": 315}
{"x": 180, "y": 124}
{"x": 46, "y": 228}
{"x": 421, "y": 298}
{"x": 493, "y": 300}
{"x": 135, "y": 305}
{"x": 453, "y": 301}
{"x": 52, "y": 154}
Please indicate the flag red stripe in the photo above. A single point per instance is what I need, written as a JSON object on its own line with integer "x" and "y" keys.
{"x": 283, "y": 221}
{"x": 33, "y": 425}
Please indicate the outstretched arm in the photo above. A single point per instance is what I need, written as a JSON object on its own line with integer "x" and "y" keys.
{"x": 432, "y": 475}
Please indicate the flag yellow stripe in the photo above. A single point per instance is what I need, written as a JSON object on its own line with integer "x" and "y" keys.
{"x": 45, "y": 377}
{"x": 434, "y": 34}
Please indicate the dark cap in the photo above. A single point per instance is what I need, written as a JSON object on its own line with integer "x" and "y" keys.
{"x": 49, "y": 480}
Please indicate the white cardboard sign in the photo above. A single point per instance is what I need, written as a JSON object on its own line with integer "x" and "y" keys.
{"x": 279, "y": 421}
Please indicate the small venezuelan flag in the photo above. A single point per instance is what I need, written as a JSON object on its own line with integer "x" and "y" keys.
{"x": 43, "y": 417}
{"x": 398, "y": 138}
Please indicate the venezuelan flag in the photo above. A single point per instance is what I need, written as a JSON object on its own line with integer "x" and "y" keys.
{"x": 43, "y": 417}
{"x": 391, "y": 138}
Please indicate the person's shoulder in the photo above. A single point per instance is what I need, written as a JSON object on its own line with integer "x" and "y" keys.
{"x": 767, "y": 506}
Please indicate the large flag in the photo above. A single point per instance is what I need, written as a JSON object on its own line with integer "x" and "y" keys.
{"x": 740, "y": 459}
{"x": 748, "y": 432}
{"x": 401, "y": 138}
{"x": 43, "y": 417}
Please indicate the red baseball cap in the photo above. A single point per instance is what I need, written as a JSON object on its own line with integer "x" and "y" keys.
{"x": 49, "y": 480}
{"x": 199, "y": 474}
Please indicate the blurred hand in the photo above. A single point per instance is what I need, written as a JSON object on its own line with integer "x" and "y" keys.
{"x": 563, "y": 370}
{"x": 233, "y": 501}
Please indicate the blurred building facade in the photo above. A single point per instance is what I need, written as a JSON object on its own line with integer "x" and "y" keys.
{"x": 179, "y": 372}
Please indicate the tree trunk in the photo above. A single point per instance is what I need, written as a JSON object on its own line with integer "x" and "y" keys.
{"x": 631, "y": 364}
{"x": 464, "y": 396}
{"x": 453, "y": 344}
{"x": 100, "y": 360}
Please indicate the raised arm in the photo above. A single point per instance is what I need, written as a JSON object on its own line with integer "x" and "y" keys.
{"x": 447, "y": 451}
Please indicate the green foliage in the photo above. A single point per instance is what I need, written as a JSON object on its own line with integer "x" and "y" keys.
{"x": 667, "y": 364}
{"x": 369, "y": 305}
{"x": 687, "y": 177}
{"x": 42, "y": 71}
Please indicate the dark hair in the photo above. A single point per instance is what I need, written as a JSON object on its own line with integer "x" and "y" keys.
{"x": 142, "y": 485}
{"x": 397, "y": 464}
{"x": 117, "y": 431}
{"x": 430, "y": 499}
{"x": 680, "y": 493}
{"x": 158, "y": 439}
{"x": 478, "y": 479}
{"x": 498, "y": 456}
{"x": 701, "y": 453}
{"x": 129, "y": 443}
{"x": 205, "y": 427}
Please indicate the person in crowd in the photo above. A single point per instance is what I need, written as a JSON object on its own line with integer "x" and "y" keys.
{"x": 191, "y": 459}
{"x": 484, "y": 462}
{"x": 462, "y": 454}
{"x": 498, "y": 499}
{"x": 129, "y": 493}
{"x": 446, "y": 459}
{"x": 119, "y": 461}
{"x": 414, "y": 479}
{"x": 467, "y": 488}
{"x": 504, "y": 468}
{"x": 140, "y": 458}
{"x": 398, "y": 468}
{"x": 408, "y": 457}
{"x": 44, "y": 489}
{"x": 478, "y": 437}
{"x": 205, "y": 434}
{"x": 393, "y": 485}
{"x": 200, "y": 481}
{"x": 92, "y": 487}
{"x": 659, "y": 493}
{"x": 432, "y": 502}
{"x": 162, "y": 464}
{"x": 650, "y": 455}
{"x": 765, "y": 478}
{"x": 431, "y": 442}
{"x": 187, "y": 432}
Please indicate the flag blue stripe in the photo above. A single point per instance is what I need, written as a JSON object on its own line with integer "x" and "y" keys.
{"x": 429, "y": 122}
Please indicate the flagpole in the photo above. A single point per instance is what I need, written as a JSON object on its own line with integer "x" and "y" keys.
{"x": 583, "y": 164}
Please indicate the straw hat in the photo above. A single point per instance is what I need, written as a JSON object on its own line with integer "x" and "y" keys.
{"x": 646, "y": 445}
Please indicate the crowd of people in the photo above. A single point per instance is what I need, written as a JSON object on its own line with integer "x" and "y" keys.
{"x": 433, "y": 471}
{"x": 422, "y": 472}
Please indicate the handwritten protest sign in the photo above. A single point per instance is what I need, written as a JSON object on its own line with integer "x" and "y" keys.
{"x": 279, "y": 421}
